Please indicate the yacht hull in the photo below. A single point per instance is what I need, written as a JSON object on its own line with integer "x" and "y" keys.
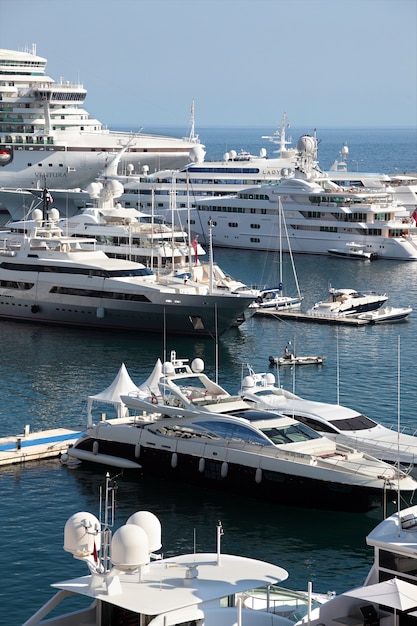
{"x": 182, "y": 314}
{"x": 282, "y": 485}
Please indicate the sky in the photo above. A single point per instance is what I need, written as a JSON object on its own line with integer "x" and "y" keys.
{"x": 326, "y": 63}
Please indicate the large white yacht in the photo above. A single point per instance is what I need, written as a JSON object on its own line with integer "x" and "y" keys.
{"x": 49, "y": 277}
{"x": 46, "y": 136}
{"x": 319, "y": 214}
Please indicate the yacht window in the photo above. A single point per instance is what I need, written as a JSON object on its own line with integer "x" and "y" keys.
{"x": 313, "y": 423}
{"x": 358, "y": 422}
{"x": 397, "y": 563}
{"x": 290, "y": 434}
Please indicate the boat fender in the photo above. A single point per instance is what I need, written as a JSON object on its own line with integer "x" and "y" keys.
{"x": 137, "y": 450}
{"x": 258, "y": 475}
{"x": 224, "y": 469}
{"x": 174, "y": 460}
{"x": 100, "y": 312}
{"x": 35, "y": 308}
{"x": 95, "y": 447}
{"x": 201, "y": 465}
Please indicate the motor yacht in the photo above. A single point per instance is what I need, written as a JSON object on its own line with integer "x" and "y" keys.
{"x": 49, "y": 277}
{"x": 188, "y": 428}
{"x": 320, "y": 215}
{"x": 336, "y": 422}
{"x": 129, "y": 581}
{"x": 348, "y": 302}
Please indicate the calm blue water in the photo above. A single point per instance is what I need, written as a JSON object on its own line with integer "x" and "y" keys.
{"x": 46, "y": 375}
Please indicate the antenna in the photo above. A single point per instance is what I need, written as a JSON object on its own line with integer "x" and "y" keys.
{"x": 220, "y": 533}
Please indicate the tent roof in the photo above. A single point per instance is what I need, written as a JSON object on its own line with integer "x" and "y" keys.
{"x": 122, "y": 385}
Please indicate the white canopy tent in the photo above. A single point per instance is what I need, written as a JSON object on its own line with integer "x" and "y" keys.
{"x": 124, "y": 385}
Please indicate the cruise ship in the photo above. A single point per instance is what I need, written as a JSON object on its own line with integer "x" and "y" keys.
{"x": 47, "y": 138}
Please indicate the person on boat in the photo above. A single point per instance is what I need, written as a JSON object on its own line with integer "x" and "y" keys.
{"x": 287, "y": 352}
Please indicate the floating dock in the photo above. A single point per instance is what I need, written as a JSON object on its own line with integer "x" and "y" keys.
{"x": 297, "y": 316}
{"x": 36, "y": 446}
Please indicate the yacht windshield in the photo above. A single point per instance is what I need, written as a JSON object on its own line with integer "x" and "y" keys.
{"x": 292, "y": 433}
{"x": 357, "y": 422}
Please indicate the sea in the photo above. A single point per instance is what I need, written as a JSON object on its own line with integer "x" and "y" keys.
{"x": 47, "y": 374}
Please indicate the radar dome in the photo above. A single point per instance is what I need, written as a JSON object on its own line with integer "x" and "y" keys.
{"x": 115, "y": 187}
{"x": 81, "y": 532}
{"x": 151, "y": 525}
{"x": 233, "y": 154}
{"x": 248, "y": 382}
{"x": 37, "y": 215}
{"x": 93, "y": 189}
{"x": 270, "y": 379}
{"x": 306, "y": 144}
{"x": 197, "y": 366}
{"x": 129, "y": 548}
{"x": 197, "y": 154}
{"x": 54, "y": 215}
{"x": 262, "y": 153}
{"x": 226, "y": 156}
{"x": 168, "y": 369}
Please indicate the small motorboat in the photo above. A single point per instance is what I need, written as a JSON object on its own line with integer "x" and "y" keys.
{"x": 353, "y": 250}
{"x": 387, "y": 314}
{"x": 343, "y": 302}
{"x": 297, "y": 360}
{"x": 290, "y": 358}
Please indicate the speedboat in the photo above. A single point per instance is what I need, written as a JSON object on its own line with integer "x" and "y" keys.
{"x": 388, "y": 596}
{"x": 355, "y": 251}
{"x": 386, "y": 314}
{"x": 54, "y": 139}
{"x": 192, "y": 430}
{"x": 129, "y": 581}
{"x": 348, "y": 302}
{"x": 49, "y": 277}
{"x": 272, "y": 299}
{"x": 338, "y": 423}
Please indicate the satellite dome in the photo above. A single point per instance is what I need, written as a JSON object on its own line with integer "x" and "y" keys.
{"x": 197, "y": 154}
{"x": 306, "y": 144}
{"x": 81, "y": 532}
{"x": 115, "y": 187}
{"x": 145, "y": 169}
{"x": 270, "y": 379}
{"x": 168, "y": 369}
{"x": 345, "y": 150}
{"x": 54, "y": 215}
{"x": 248, "y": 382}
{"x": 129, "y": 548}
{"x": 226, "y": 156}
{"x": 233, "y": 154}
{"x": 37, "y": 215}
{"x": 151, "y": 525}
{"x": 197, "y": 366}
{"x": 93, "y": 189}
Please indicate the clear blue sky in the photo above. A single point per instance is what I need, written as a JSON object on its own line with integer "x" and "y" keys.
{"x": 327, "y": 63}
